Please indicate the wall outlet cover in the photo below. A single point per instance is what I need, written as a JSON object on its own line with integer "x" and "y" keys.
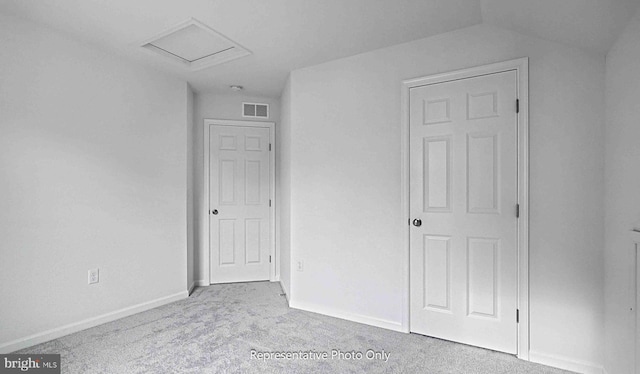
{"x": 94, "y": 276}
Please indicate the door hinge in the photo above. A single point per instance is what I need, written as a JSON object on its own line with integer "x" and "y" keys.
{"x": 517, "y": 210}
{"x": 269, "y": 202}
{"x": 517, "y": 315}
{"x": 517, "y": 105}
{"x": 269, "y": 147}
{"x": 269, "y": 259}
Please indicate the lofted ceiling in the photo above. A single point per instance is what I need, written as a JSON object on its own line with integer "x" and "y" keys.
{"x": 284, "y": 35}
{"x": 589, "y": 24}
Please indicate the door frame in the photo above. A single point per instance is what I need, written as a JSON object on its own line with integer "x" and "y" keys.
{"x": 204, "y": 209}
{"x": 634, "y": 290}
{"x": 521, "y": 67}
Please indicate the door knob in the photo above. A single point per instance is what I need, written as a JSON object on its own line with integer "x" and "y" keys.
{"x": 214, "y": 212}
{"x": 417, "y": 222}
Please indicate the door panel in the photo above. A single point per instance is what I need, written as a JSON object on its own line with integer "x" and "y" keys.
{"x": 463, "y": 182}
{"x": 437, "y": 274}
{"x": 239, "y": 180}
{"x": 227, "y": 241}
{"x": 437, "y": 171}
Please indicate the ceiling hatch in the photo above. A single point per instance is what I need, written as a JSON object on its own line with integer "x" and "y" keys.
{"x": 195, "y": 45}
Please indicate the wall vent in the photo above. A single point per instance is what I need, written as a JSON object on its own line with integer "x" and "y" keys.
{"x": 195, "y": 45}
{"x": 255, "y": 110}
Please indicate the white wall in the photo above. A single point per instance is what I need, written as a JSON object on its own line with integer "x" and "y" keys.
{"x": 283, "y": 188}
{"x": 92, "y": 170}
{"x": 216, "y": 106}
{"x": 191, "y": 211}
{"x": 346, "y": 222}
{"x": 622, "y": 195}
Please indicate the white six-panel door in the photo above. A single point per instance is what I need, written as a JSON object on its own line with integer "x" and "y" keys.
{"x": 239, "y": 206}
{"x": 463, "y": 196}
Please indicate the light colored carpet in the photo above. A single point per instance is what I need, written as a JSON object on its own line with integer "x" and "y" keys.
{"x": 215, "y": 329}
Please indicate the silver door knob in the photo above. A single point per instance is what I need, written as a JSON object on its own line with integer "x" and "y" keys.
{"x": 417, "y": 222}
{"x": 214, "y": 212}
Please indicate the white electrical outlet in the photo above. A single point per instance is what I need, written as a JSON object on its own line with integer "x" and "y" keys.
{"x": 94, "y": 276}
{"x": 300, "y": 266}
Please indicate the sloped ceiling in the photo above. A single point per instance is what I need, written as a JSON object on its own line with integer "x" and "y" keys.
{"x": 288, "y": 34}
{"x": 589, "y": 24}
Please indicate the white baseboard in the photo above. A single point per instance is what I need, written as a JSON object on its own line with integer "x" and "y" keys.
{"x": 191, "y": 287}
{"x": 372, "y": 321}
{"x": 203, "y": 283}
{"x": 566, "y": 363}
{"x": 58, "y": 332}
{"x": 286, "y": 292}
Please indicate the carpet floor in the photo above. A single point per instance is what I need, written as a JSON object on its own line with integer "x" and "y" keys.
{"x": 217, "y": 328}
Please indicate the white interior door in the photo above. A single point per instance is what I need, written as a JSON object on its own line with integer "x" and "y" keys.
{"x": 635, "y": 287}
{"x": 239, "y": 205}
{"x": 463, "y": 189}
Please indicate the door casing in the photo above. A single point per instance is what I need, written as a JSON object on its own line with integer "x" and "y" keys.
{"x": 521, "y": 67}
{"x": 204, "y": 209}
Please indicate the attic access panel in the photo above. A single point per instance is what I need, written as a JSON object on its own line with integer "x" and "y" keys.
{"x": 195, "y": 45}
